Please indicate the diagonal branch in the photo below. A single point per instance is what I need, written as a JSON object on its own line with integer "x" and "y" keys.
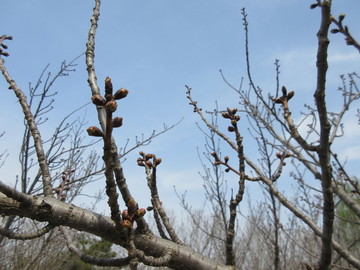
{"x": 25, "y": 236}
{"x": 33, "y": 129}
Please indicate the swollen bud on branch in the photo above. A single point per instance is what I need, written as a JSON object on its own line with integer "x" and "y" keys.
{"x": 139, "y": 213}
{"x": 108, "y": 86}
{"x": 126, "y": 223}
{"x": 314, "y": 6}
{"x": 225, "y": 115}
{"x": 125, "y": 214}
{"x": 98, "y": 100}
{"x": 158, "y": 161}
{"x": 111, "y": 106}
{"x": 131, "y": 205}
{"x": 121, "y": 93}
{"x": 95, "y": 132}
{"x": 341, "y": 17}
{"x": 117, "y": 122}
{"x": 290, "y": 95}
{"x": 278, "y": 100}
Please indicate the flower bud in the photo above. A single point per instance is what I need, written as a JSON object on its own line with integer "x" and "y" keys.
{"x": 290, "y": 95}
{"x": 125, "y": 214}
{"x": 225, "y": 115}
{"x": 139, "y": 213}
{"x": 121, "y": 93}
{"x": 98, "y": 100}
{"x": 278, "y": 100}
{"x": 226, "y": 158}
{"x": 95, "y": 132}
{"x": 117, "y": 122}
{"x": 341, "y": 17}
{"x": 158, "y": 161}
{"x": 111, "y": 106}
{"x": 231, "y": 129}
{"x": 108, "y": 86}
{"x": 131, "y": 204}
{"x": 141, "y": 163}
{"x": 126, "y": 223}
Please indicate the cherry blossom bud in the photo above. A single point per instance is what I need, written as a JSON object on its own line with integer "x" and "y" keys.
{"x": 95, "y": 132}
{"x": 108, "y": 86}
{"x": 225, "y": 115}
{"x": 158, "y": 161}
{"x": 290, "y": 95}
{"x": 117, "y": 122}
{"x": 98, "y": 100}
{"x": 122, "y": 93}
{"x": 125, "y": 214}
{"x": 131, "y": 204}
{"x": 111, "y": 106}
{"x": 341, "y": 17}
{"x": 126, "y": 223}
{"x": 139, "y": 213}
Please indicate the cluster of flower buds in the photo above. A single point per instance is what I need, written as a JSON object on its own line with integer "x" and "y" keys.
{"x": 231, "y": 114}
{"x": 3, "y": 46}
{"x": 218, "y": 161}
{"x": 285, "y": 97}
{"x": 110, "y": 105}
{"x": 131, "y": 214}
{"x": 64, "y": 185}
{"x": 148, "y": 160}
{"x": 343, "y": 29}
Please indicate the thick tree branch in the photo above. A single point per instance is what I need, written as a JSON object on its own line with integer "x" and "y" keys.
{"x": 57, "y": 213}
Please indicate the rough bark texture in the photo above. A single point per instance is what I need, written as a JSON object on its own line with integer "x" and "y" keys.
{"x": 58, "y": 213}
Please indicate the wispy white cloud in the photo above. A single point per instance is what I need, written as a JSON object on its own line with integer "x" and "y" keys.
{"x": 340, "y": 57}
{"x": 351, "y": 153}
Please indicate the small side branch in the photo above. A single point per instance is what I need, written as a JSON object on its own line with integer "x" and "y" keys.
{"x": 284, "y": 101}
{"x": 25, "y": 236}
{"x": 41, "y": 157}
{"x": 91, "y": 259}
{"x": 150, "y": 162}
{"x": 343, "y": 29}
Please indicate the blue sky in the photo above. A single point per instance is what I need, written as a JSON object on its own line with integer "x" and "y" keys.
{"x": 154, "y": 48}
